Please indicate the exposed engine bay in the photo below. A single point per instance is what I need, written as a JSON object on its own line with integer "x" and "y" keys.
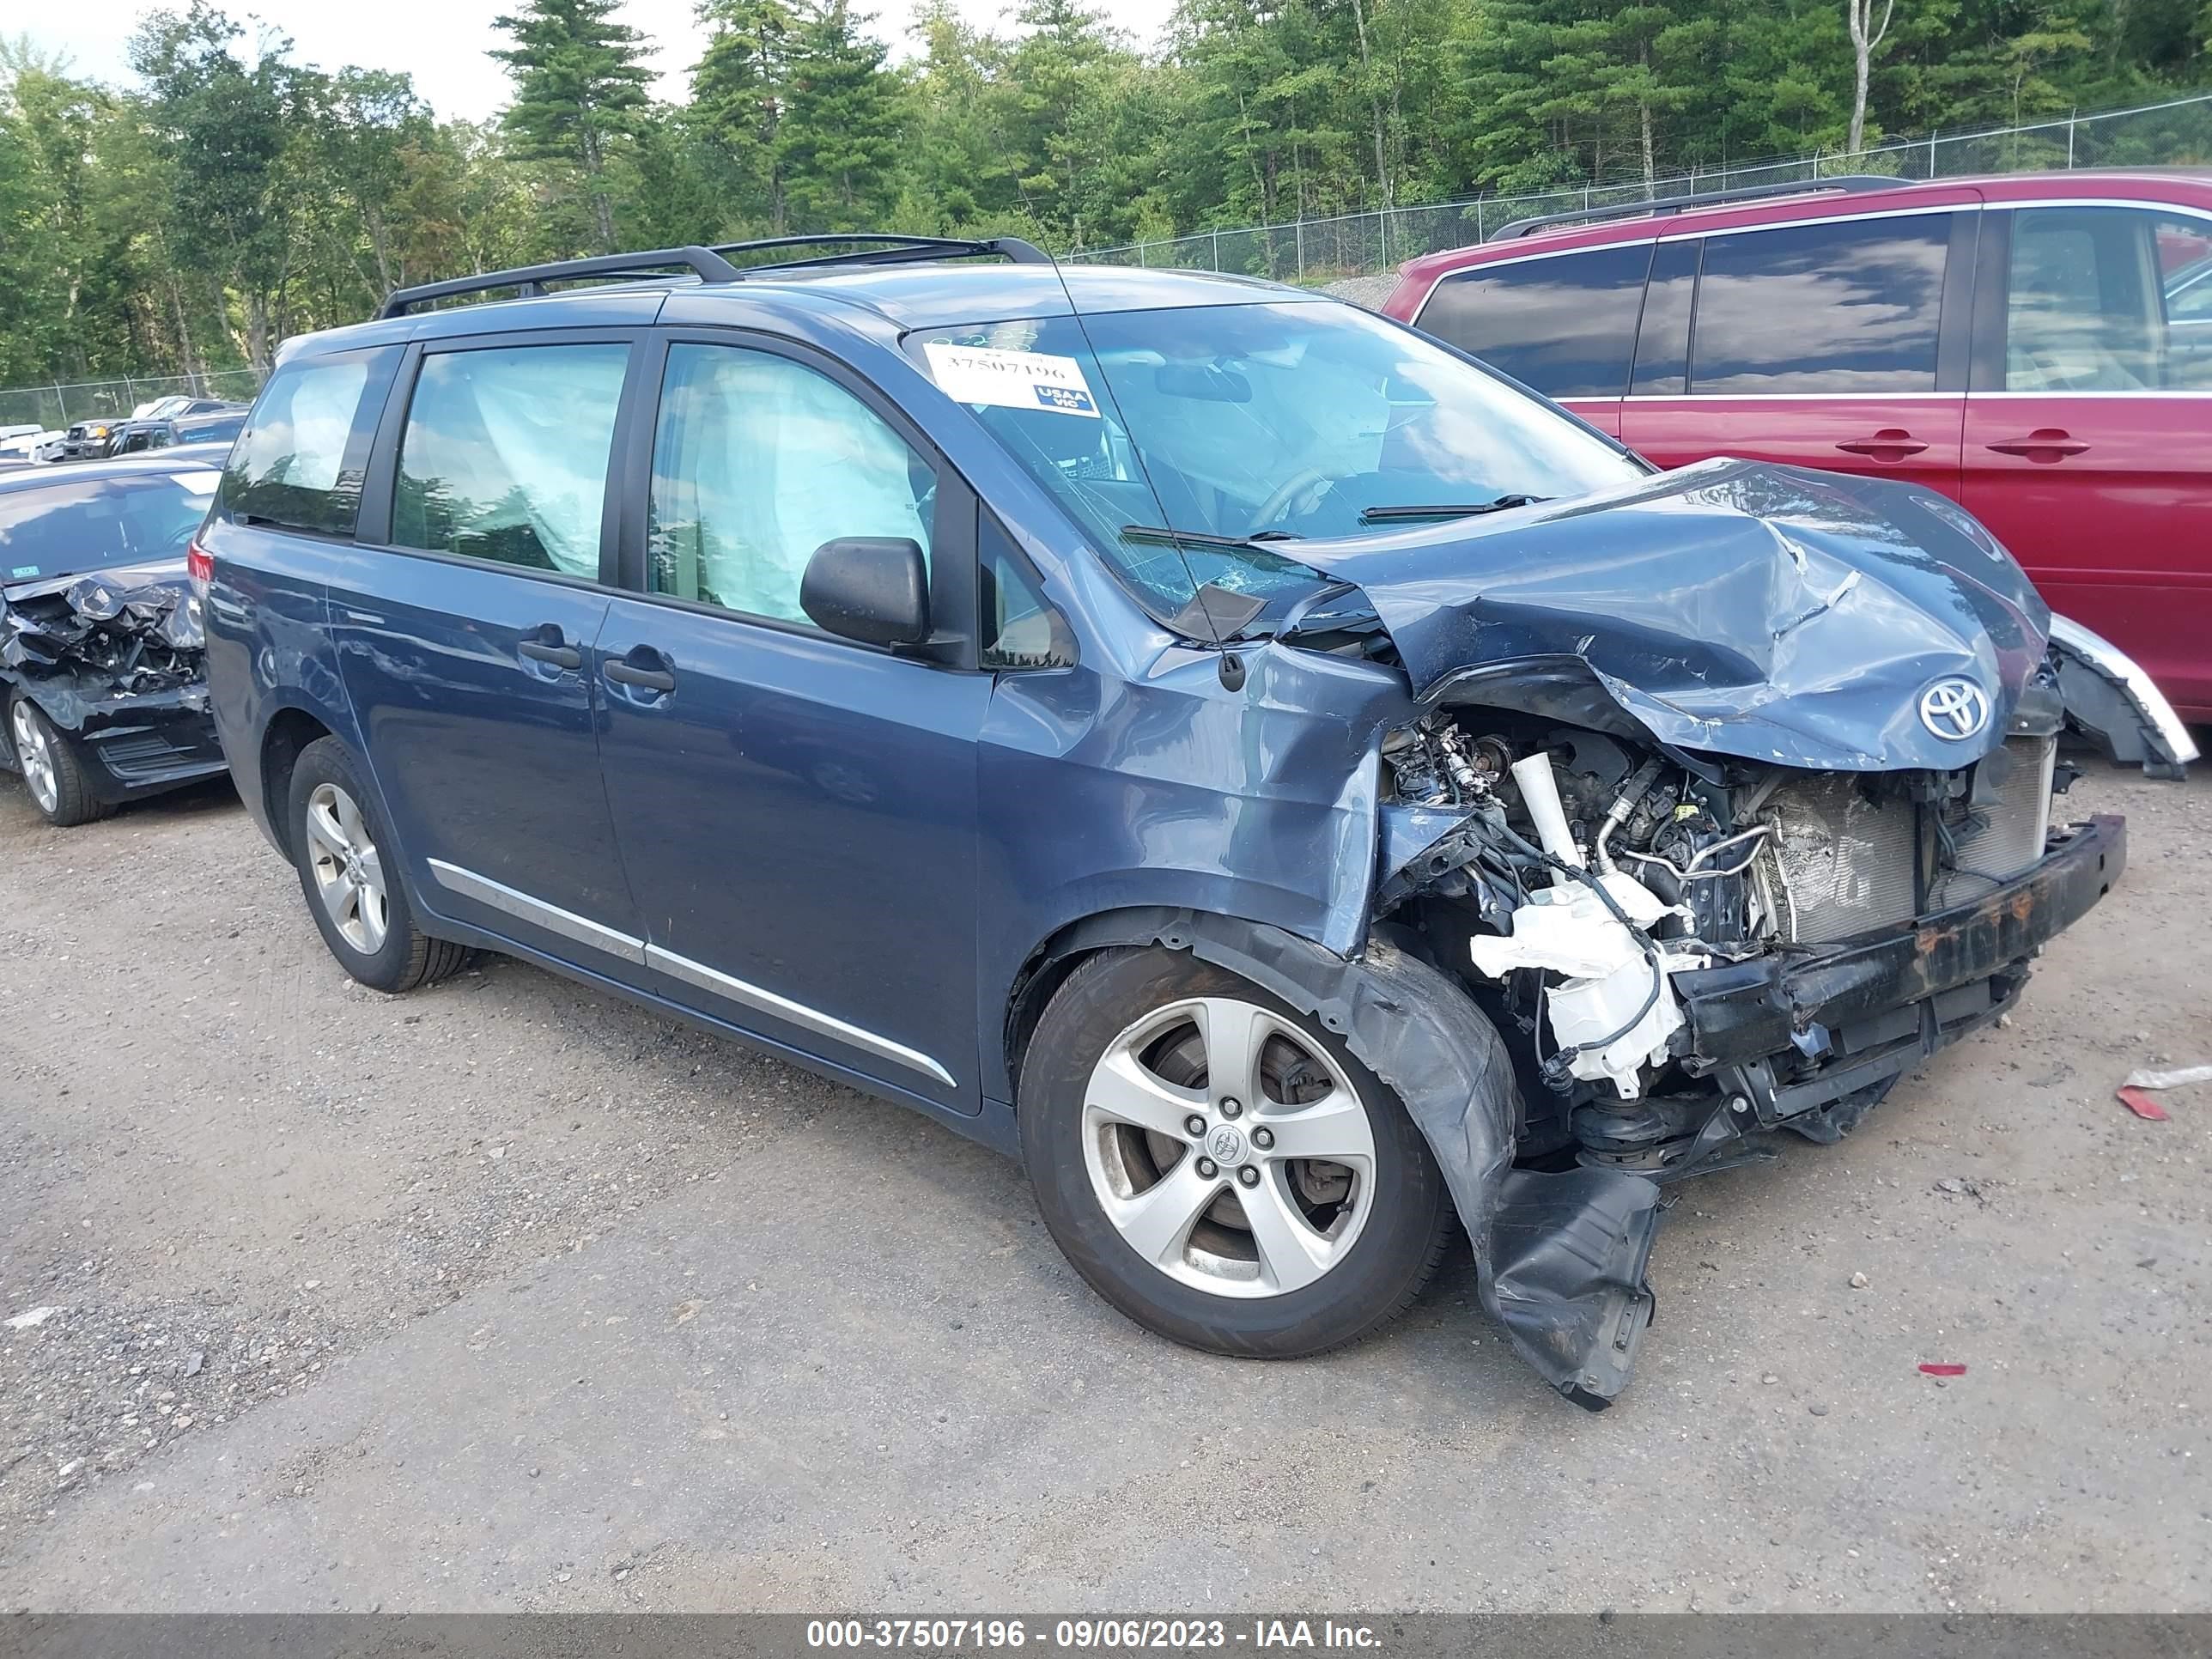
{"x": 1588, "y": 885}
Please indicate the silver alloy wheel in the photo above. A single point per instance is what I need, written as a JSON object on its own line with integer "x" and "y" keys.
{"x": 348, "y": 870}
{"x": 1228, "y": 1148}
{"x": 35, "y": 754}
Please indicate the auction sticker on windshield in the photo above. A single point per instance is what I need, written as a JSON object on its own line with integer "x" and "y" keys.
{"x": 1011, "y": 379}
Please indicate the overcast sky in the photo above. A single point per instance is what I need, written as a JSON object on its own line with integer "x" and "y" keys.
{"x": 443, "y": 42}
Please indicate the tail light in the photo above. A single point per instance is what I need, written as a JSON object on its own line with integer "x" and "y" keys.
{"x": 198, "y": 564}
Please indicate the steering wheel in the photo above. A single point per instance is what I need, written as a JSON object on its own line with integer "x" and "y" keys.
{"x": 1279, "y": 502}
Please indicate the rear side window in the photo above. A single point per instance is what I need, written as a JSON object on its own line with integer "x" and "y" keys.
{"x": 1564, "y": 325}
{"x": 300, "y": 460}
{"x": 1850, "y": 306}
{"x": 505, "y": 455}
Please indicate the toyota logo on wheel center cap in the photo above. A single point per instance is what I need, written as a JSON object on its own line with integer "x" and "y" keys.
{"x": 1226, "y": 1144}
{"x": 1954, "y": 709}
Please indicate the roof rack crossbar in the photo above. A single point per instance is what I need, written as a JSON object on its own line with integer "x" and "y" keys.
{"x": 899, "y": 249}
{"x": 705, "y": 263}
{"x": 711, "y": 264}
{"x": 1666, "y": 205}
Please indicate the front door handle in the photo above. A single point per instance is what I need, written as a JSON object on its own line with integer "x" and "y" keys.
{"x": 2047, "y": 443}
{"x": 545, "y": 643}
{"x": 1890, "y": 444}
{"x": 642, "y": 667}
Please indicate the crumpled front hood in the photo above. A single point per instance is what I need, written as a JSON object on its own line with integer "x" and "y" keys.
{"x": 1733, "y": 607}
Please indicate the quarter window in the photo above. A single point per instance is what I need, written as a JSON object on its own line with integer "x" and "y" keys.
{"x": 505, "y": 455}
{"x": 1020, "y": 628}
{"x": 757, "y": 461}
{"x": 2108, "y": 300}
{"x": 1564, "y": 324}
{"x": 1850, "y": 306}
{"x": 300, "y": 459}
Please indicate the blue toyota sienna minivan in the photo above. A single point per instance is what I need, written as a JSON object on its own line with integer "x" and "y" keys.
{"x": 1292, "y": 785}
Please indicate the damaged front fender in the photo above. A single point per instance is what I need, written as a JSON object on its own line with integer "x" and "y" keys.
{"x": 1559, "y": 1259}
{"x": 2114, "y": 702}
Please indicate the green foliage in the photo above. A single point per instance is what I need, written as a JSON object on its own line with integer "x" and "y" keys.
{"x": 232, "y": 196}
{"x": 579, "y": 92}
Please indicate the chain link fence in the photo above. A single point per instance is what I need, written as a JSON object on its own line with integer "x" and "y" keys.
{"x": 55, "y": 404}
{"x": 1314, "y": 252}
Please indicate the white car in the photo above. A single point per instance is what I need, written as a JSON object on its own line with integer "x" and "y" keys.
{"x": 29, "y": 443}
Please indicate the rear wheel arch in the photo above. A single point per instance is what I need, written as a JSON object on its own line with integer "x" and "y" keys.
{"x": 287, "y": 735}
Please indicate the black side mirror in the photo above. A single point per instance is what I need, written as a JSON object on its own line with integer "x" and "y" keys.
{"x": 871, "y": 588}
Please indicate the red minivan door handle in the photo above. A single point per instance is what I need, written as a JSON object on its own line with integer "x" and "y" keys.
{"x": 2045, "y": 443}
{"x": 1892, "y": 443}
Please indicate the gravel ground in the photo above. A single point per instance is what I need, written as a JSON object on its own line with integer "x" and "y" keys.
{"x": 505, "y": 1295}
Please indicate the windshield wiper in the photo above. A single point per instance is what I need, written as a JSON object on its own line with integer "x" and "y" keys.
{"x": 1433, "y": 510}
{"x": 1166, "y": 537}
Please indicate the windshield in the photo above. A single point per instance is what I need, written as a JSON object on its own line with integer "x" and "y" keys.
{"x": 94, "y": 524}
{"x": 1276, "y": 422}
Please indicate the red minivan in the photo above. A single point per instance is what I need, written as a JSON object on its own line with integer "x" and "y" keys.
{"x": 2038, "y": 347}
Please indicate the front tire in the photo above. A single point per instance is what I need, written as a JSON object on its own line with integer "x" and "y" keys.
{"x": 1219, "y": 1167}
{"x": 349, "y": 868}
{"x": 52, "y": 774}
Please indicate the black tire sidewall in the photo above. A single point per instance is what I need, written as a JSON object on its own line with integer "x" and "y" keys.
{"x": 74, "y": 802}
{"x": 1387, "y": 1265}
{"x": 397, "y": 964}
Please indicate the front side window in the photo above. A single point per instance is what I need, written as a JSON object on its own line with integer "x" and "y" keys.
{"x": 757, "y": 461}
{"x": 505, "y": 455}
{"x": 2108, "y": 298}
{"x": 1849, "y": 307}
{"x": 1275, "y": 421}
{"x": 1564, "y": 324}
{"x": 300, "y": 460}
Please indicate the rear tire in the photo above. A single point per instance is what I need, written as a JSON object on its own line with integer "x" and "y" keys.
{"x": 54, "y": 776}
{"x": 1191, "y": 1207}
{"x": 349, "y": 869}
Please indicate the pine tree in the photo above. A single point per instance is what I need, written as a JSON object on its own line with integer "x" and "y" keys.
{"x": 740, "y": 90}
{"x": 580, "y": 85}
{"x": 840, "y": 134}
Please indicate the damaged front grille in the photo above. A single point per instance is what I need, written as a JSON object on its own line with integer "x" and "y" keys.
{"x": 1998, "y": 829}
{"x": 1839, "y": 861}
{"x": 1844, "y": 858}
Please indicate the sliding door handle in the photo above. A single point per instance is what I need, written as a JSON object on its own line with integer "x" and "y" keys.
{"x": 642, "y": 666}
{"x": 2049, "y": 443}
{"x": 1891, "y": 444}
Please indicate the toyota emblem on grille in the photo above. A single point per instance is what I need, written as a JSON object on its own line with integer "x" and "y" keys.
{"x": 1954, "y": 709}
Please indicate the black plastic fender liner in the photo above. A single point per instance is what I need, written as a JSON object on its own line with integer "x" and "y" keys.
{"x": 1559, "y": 1259}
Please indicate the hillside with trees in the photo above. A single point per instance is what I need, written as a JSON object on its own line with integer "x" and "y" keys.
{"x": 230, "y": 195}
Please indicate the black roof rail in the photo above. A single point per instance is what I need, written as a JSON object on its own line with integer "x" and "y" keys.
{"x": 1665, "y": 205}
{"x": 710, "y": 264}
{"x": 703, "y": 263}
{"x": 899, "y": 249}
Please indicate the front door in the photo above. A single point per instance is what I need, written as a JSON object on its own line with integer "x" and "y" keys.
{"x": 796, "y": 811}
{"x": 466, "y": 646}
{"x": 2087, "y": 435}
